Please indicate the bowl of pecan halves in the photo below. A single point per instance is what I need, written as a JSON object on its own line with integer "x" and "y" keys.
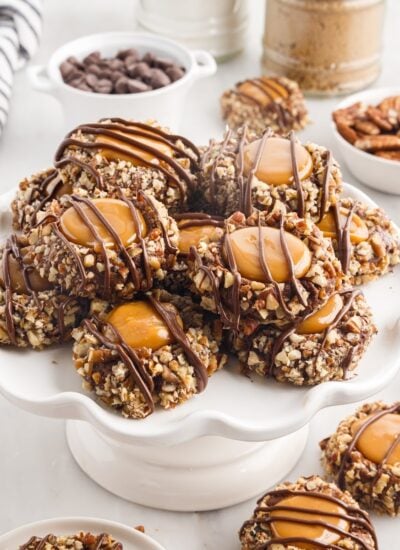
{"x": 367, "y": 128}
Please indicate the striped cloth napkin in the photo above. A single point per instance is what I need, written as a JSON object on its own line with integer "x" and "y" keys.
{"x": 20, "y": 29}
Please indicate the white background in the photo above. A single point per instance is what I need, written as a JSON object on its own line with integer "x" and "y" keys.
{"x": 38, "y": 477}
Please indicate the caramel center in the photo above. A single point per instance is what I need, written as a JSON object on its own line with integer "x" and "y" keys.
{"x": 193, "y": 234}
{"x": 358, "y": 228}
{"x": 275, "y": 166}
{"x": 140, "y": 326}
{"x": 37, "y": 283}
{"x": 130, "y": 151}
{"x": 376, "y": 440}
{"x": 323, "y": 318}
{"x": 118, "y": 216}
{"x": 263, "y": 90}
{"x": 245, "y": 248}
{"x": 294, "y": 527}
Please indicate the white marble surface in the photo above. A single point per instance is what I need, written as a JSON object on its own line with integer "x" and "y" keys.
{"x": 38, "y": 477}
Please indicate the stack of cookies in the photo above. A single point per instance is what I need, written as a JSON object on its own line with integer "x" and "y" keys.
{"x": 153, "y": 256}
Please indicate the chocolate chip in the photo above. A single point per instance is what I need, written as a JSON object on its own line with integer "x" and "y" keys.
{"x": 76, "y": 82}
{"x": 130, "y": 60}
{"x": 174, "y": 73}
{"x": 103, "y": 86}
{"x": 159, "y": 79}
{"x": 163, "y": 62}
{"x": 91, "y": 80}
{"x": 74, "y": 61}
{"x": 142, "y": 70}
{"x": 93, "y": 69}
{"x": 116, "y": 64}
{"x": 121, "y": 86}
{"x": 74, "y": 74}
{"x": 149, "y": 58}
{"x": 93, "y": 57}
{"x": 131, "y": 69}
{"x": 122, "y": 54}
{"x": 116, "y": 75}
{"x": 66, "y": 69}
{"x": 84, "y": 87}
{"x": 136, "y": 86}
{"x": 105, "y": 73}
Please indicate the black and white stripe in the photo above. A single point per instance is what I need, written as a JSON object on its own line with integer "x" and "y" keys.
{"x": 20, "y": 29}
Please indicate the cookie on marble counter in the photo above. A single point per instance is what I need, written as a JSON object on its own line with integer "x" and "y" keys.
{"x": 109, "y": 248}
{"x": 364, "y": 238}
{"x": 363, "y": 456}
{"x": 157, "y": 350}
{"x": 80, "y": 541}
{"x": 33, "y": 313}
{"x": 326, "y": 345}
{"x": 265, "y": 102}
{"x": 309, "y": 513}
{"x": 269, "y": 267}
{"x": 241, "y": 173}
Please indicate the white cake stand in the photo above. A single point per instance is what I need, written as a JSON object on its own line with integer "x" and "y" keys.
{"x": 223, "y": 447}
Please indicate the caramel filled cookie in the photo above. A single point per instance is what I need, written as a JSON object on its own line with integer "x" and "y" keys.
{"x": 105, "y": 247}
{"x": 267, "y": 268}
{"x": 363, "y": 456}
{"x": 109, "y": 157}
{"x": 325, "y": 345}
{"x": 241, "y": 173}
{"x": 159, "y": 349}
{"x": 265, "y": 102}
{"x": 33, "y": 313}
{"x": 118, "y": 154}
{"x": 308, "y": 514}
{"x": 81, "y": 541}
{"x": 194, "y": 227}
{"x": 365, "y": 240}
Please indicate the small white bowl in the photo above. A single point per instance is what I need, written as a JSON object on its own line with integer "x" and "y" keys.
{"x": 376, "y": 172}
{"x": 164, "y": 104}
{"x": 130, "y": 537}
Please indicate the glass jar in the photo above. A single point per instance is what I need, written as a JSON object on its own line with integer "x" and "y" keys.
{"x": 327, "y": 46}
{"x": 219, "y": 27}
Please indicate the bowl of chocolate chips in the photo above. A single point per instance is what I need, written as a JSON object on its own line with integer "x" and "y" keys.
{"x": 125, "y": 74}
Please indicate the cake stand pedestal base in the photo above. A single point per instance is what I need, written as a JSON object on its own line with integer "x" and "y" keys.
{"x": 203, "y": 474}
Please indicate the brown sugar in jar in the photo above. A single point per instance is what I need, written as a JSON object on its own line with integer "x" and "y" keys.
{"x": 328, "y": 46}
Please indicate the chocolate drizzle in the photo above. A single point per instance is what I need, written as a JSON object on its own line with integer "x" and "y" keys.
{"x": 100, "y": 329}
{"x": 264, "y": 85}
{"x": 245, "y": 183}
{"x": 39, "y": 543}
{"x": 296, "y": 177}
{"x": 355, "y": 516}
{"x": 125, "y": 133}
{"x": 138, "y": 282}
{"x": 343, "y": 236}
{"x": 349, "y": 297}
{"x": 198, "y": 219}
{"x": 346, "y": 458}
{"x": 325, "y": 184}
